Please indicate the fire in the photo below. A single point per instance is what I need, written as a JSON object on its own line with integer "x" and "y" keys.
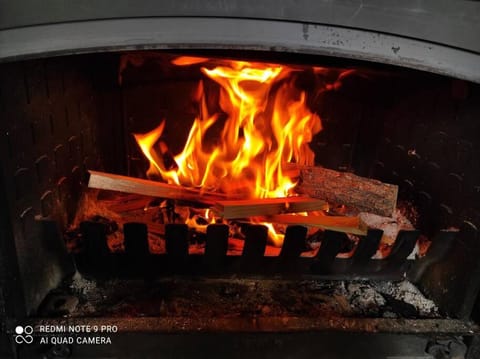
{"x": 264, "y": 124}
{"x": 267, "y": 125}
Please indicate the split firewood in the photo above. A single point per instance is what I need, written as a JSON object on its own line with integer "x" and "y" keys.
{"x": 127, "y": 203}
{"x": 352, "y": 225}
{"x": 357, "y": 193}
{"x": 267, "y": 206}
{"x": 112, "y": 182}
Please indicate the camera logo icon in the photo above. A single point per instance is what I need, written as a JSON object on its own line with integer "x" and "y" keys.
{"x": 24, "y": 334}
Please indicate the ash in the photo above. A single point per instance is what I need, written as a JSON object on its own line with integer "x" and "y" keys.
{"x": 388, "y": 299}
{"x": 406, "y": 292}
{"x": 87, "y": 291}
{"x": 390, "y": 227}
{"x": 82, "y": 286}
{"x": 362, "y": 297}
{"x": 249, "y": 297}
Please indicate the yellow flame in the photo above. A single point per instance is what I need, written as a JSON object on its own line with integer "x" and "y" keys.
{"x": 147, "y": 142}
{"x": 265, "y": 124}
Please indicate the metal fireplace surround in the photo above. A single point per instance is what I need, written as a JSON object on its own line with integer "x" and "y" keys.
{"x": 53, "y": 108}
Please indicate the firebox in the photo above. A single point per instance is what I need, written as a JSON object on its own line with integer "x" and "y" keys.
{"x": 201, "y": 192}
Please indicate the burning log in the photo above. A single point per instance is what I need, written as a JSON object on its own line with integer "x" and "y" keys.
{"x": 267, "y": 206}
{"x": 355, "y": 192}
{"x": 112, "y": 182}
{"x": 353, "y": 225}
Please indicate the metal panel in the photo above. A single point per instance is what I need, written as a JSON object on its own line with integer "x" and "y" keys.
{"x": 47, "y": 137}
{"x": 454, "y": 23}
{"x": 248, "y": 34}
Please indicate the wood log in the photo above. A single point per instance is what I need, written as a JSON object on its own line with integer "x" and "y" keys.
{"x": 353, "y": 225}
{"x": 267, "y": 206}
{"x": 127, "y": 204}
{"x": 112, "y": 182}
{"x": 357, "y": 193}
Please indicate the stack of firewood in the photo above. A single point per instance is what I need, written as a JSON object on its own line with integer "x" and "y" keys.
{"x": 318, "y": 190}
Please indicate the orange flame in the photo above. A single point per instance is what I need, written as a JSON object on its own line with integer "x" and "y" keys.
{"x": 268, "y": 124}
{"x": 265, "y": 123}
{"x": 188, "y": 60}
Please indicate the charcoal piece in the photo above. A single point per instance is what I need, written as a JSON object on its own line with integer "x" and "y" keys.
{"x": 405, "y": 310}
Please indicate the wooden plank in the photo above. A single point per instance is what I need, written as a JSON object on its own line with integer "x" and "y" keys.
{"x": 127, "y": 203}
{"x": 344, "y": 188}
{"x": 353, "y": 225}
{"x": 112, "y": 182}
{"x": 267, "y": 206}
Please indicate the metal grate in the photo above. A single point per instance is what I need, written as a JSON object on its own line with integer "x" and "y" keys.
{"x": 96, "y": 259}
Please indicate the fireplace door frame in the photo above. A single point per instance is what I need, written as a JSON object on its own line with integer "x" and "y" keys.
{"x": 420, "y": 36}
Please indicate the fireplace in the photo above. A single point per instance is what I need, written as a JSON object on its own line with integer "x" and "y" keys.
{"x": 97, "y": 273}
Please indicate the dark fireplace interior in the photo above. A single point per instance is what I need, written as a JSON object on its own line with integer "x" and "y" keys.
{"x": 64, "y": 116}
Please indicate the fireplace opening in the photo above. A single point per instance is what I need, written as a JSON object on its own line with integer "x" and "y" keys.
{"x": 232, "y": 139}
{"x": 308, "y": 193}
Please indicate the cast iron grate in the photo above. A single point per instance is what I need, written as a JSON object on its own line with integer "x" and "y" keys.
{"x": 96, "y": 258}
